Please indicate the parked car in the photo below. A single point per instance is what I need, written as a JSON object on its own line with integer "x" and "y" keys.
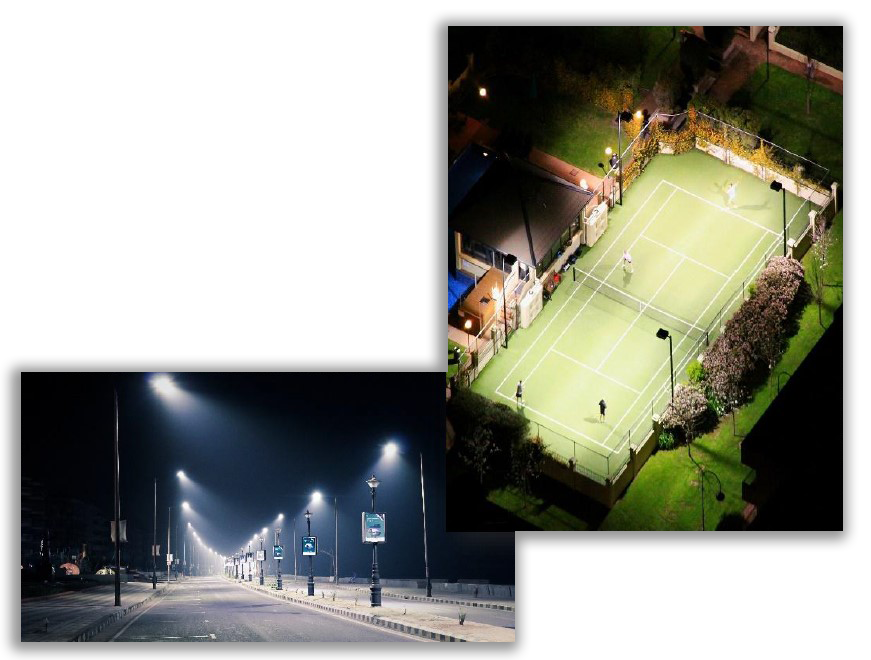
{"x": 106, "y": 571}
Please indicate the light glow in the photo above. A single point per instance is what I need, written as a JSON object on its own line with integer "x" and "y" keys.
{"x": 482, "y": 92}
{"x": 164, "y": 385}
{"x": 390, "y": 449}
{"x": 608, "y": 151}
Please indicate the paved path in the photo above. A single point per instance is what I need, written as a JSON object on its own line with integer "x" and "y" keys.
{"x": 211, "y": 609}
{"x": 70, "y": 612}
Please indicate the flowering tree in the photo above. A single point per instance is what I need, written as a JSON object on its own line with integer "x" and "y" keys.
{"x": 689, "y": 414}
{"x": 819, "y": 261}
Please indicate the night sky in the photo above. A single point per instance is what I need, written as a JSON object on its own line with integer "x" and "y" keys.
{"x": 254, "y": 445}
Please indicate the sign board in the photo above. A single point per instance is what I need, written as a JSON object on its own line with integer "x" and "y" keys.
{"x": 169, "y": 559}
{"x": 261, "y": 555}
{"x": 374, "y": 525}
{"x": 155, "y": 550}
{"x": 309, "y": 545}
{"x": 277, "y": 552}
{"x": 123, "y": 531}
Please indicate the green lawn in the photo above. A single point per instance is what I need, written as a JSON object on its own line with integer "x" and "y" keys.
{"x": 781, "y": 104}
{"x": 453, "y": 368}
{"x": 534, "y": 511}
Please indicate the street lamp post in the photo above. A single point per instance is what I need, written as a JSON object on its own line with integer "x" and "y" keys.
{"x": 375, "y": 587}
{"x": 277, "y": 542}
{"x": 168, "y": 558}
{"x": 117, "y": 510}
{"x": 295, "y": 573}
{"x": 425, "y": 555}
{"x": 264, "y": 555}
{"x": 311, "y": 579}
{"x": 248, "y": 559}
{"x": 154, "y": 543}
{"x": 662, "y": 333}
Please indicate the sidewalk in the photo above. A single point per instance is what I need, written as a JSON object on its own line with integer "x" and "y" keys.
{"x": 78, "y": 615}
{"x": 346, "y": 601}
{"x": 468, "y": 600}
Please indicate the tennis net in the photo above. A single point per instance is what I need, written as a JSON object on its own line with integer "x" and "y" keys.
{"x": 671, "y": 321}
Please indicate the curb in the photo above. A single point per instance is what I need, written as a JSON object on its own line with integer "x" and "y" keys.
{"x": 86, "y": 633}
{"x": 372, "y": 619}
{"x": 468, "y": 603}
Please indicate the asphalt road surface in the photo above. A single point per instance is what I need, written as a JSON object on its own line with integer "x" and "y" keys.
{"x": 209, "y": 609}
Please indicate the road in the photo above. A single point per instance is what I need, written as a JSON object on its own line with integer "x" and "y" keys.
{"x": 206, "y": 609}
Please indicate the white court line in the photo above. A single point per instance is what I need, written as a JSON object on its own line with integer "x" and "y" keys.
{"x": 568, "y": 428}
{"x": 640, "y": 314}
{"x": 568, "y": 300}
{"x": 595, "y": 371}
{"x": 681, "y": 254}
{"x": 683, "y": 339}
{"x": 604, "y": 279}
{"x": 722, "y": 208}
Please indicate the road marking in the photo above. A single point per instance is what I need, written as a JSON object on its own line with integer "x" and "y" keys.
{"x": 166, "y": 637}
{"x": 199, "y": 636}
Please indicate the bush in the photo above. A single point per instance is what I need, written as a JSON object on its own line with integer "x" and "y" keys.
{"x": 753, "y": 339}
{"x": 689, "y": 415}
{"x": 665, "y": 440}
{"x": 695, "y": 372}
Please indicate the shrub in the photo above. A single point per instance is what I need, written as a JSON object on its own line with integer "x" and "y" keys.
{"x": 665, "y": 440}
{"x": 754, "y": 337}
{"x": 689, "y": 414}
{"x": 695, "y": 372}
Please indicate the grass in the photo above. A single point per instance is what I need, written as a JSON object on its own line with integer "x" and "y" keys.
{"x": 453, "y": 368}
{"x": 535, "y": 511}
{"x": 781, "y": 104}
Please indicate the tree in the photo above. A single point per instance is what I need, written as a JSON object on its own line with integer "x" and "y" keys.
{"x": 478, "y": 450}
{"x": 689, "y": 414}
{"x": 527, "y": 459}
{"x": 819, "y": 261}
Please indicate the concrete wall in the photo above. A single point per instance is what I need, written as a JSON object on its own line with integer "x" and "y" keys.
{"x": 799, "y": 57}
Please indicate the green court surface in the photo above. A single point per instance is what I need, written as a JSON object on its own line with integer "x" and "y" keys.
{"x": 693, "y": 259}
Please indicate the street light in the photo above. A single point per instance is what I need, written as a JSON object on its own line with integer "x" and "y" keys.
{"x": 662, "y": 333}
{"x": 777, "y": 186}
{"x": 375, "y": 587}
{"x": 425, "y": 555}
{"x": 262, "y": 534}
{"x": 482, "y": 92}
{"x": 317, "y": 497}
{"x": 180, "y": 474}
{"x": 277, "y": 542}
{"x": 311, "y": 579}
{"x": 154, "y": 542}
{"x": 390, "y": 450}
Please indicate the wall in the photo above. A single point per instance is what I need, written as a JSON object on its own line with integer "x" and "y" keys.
{"x": 799, "y": 57}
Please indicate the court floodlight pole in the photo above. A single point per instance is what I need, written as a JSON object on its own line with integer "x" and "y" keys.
{"x": 777, "y": 186}
{"x": 662, "y": 333}
{"x": 620, "y": 155}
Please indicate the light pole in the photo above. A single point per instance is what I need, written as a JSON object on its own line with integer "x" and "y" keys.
{"x": 248, "y": 559}
{"x": 278, "y": 542}
{"x": 294, "y": 551}
{"x": 375, "y": 587}
{"x": 154, "y": 543}
{"x": 662, "y": 333}
{"x": 168, "y": 557}
{"x": 425, "y": 556}
{"x": 777, "y": 186}
{"x": 117, "y": 510}
{"x": 311, "y": 579}
{"x": 262, "y": 554}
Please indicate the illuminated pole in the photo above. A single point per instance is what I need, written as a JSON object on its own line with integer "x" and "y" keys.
{"x": 117, "y": 511}
{"x": 336, "y": 549}
{"x": 261, "y": 561}
{"x": 168, "y": 558}
{"x": 425, "y": 556}
{"x": 278, "y": 542}
{"x": 375, "y": 587}
{"x": 311, "y": 579}
{"x": 154, "y": 543}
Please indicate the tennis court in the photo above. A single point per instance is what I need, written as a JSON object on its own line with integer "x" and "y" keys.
{"x": 694, "y": 257}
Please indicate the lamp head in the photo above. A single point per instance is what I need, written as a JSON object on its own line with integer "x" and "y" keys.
{"x": 662, "y": 333}
{"x": 308, "y": 514}
{"x": 776, "y": 186}
{"x": 373, "y": 482}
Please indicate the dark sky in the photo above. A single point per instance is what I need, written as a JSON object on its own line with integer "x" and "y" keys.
{"x": 255, "y": 445}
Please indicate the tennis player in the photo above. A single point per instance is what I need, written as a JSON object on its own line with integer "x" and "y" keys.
{"x": 519, "y": 394}
{"x": 731, "y": 189}
{"x": 602, "y": 406}
{"x": 627, "y": 261}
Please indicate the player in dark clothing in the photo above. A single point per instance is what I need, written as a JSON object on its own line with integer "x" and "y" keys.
{"x": 602, "y": 406}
